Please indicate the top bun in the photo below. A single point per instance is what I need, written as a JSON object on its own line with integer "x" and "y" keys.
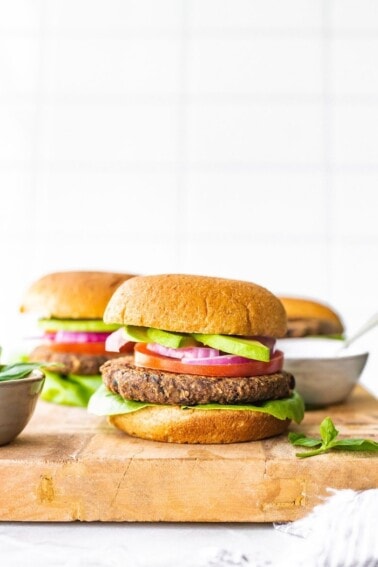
{"x": 197, "y": 304}
{"x": 298, "y": 308}
{"x": 72, "y": 295}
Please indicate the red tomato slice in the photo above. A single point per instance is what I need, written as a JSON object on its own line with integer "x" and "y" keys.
{"x": 143, "y": 357}
{"x": 84, "y": 348}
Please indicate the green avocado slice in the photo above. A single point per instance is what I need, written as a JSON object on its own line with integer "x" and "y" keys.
{"x": 136, "y": 334}
{"x": 232, "y": 345}
{"x": 164, "y": 338}
{"x": 235, "y": 345}
{"x": 85, "y": 325}
{"x": 168, "y": 339}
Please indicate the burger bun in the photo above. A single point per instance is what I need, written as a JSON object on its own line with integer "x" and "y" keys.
{"x": 176, "y": 425}
{"x": 197, "y": 304}
{"x": 72, "y": 295}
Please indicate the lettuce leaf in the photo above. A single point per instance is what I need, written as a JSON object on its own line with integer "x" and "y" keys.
{"x": 70, "y": 390}
{"x": 104, "y": 402}
{"x": 286, "y": 408}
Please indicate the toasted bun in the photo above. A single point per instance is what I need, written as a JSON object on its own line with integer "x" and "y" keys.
{"x": 175, "y": 425}
{"x": 197, "y": 304}
{"x": 72, "y": 295}
{"x": 298, "y": 308}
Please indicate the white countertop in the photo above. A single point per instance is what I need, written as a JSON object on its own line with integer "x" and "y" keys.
{"x": 139, "y": 545}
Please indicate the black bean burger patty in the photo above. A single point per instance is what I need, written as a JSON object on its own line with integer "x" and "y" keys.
{"x": 308, "y": 327}
{"x": 71, "y": 363}
{"x": 160, "y": 387}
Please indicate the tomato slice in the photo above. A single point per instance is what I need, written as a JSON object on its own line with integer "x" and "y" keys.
{"x": 144, "y": 358}
{"x": 84, "y": 348}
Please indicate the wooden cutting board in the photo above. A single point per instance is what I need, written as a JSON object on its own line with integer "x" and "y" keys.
{"x": 68, "y": 465}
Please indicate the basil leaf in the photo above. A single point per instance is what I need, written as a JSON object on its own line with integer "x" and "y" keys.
{"x": 329, "y": 442}
{"x": 356, "y": 445}
{"x": 328, "y": 431}
{"x": 300, "y": 439}
{"x": 319, "y": 451}
{"x": 18, "y": 370}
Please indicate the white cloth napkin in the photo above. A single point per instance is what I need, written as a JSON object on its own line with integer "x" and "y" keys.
{"x": 341, "y": 532}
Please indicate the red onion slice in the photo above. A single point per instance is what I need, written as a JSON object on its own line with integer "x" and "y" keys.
{"x": 183, "y": 353}
{"x": 116, "y": 340}
{"x": 222, "y": 359}
{"x": 77, "y": 337}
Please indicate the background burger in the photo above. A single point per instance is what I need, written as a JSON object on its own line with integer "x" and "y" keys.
{"x": 205, "y": 368}
{"x": 72, "y": 333}
{"x": 307, "y": 317}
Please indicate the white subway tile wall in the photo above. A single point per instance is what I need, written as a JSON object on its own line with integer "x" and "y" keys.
{"x": 228, "y": 137}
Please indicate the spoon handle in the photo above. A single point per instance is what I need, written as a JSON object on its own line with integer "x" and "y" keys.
{"x": 372, "y": 322}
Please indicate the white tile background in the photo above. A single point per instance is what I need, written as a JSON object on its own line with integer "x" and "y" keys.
{"x": 228, "y": 137}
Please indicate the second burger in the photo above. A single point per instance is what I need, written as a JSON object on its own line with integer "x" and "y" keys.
{"x": 310, "y": 317}
{"x": 71, "y": 306}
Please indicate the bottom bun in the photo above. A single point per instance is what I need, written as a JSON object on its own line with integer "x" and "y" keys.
{"x": 176, "y": 425}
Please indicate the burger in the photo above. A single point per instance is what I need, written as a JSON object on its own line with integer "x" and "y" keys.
{"x": 205, "y": 367}
{"x": 72, "y": 333}
{"x": 307, "y": 317}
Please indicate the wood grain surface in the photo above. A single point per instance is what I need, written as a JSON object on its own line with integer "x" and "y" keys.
{"x": 68, "y": 465}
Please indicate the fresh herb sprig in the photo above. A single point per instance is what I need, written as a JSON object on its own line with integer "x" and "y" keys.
{"x": 328, "y": 441}
{"x": 18, "y": 370}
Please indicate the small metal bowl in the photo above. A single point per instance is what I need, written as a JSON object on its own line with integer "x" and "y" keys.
{"x": 18, "y": 399}
{"x": 328, "y": 376}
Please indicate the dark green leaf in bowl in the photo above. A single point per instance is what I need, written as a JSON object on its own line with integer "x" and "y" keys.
{"x": 18, "y": 370}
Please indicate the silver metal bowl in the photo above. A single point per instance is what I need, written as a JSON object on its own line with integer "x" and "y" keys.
{"x": 18, "y": 399}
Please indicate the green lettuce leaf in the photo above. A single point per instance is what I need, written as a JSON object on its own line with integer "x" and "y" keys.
{"x": 286, "y": 408}
{"x": 104, "y": 402}
{"x": 70, "y": 390}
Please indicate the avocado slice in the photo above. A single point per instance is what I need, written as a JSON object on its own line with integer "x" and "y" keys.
{"x": 167, "y": 339}
{"x": 85, "y": 325}
{"x": 164, "y": 338}
{"x": 236, "y": 345}
{"x": 136, "y": 334}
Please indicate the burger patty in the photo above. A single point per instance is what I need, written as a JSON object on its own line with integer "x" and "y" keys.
{"x": 160, "y": 387}
{"x": 72, "y": 363}
{"x": 309, "y": 327}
